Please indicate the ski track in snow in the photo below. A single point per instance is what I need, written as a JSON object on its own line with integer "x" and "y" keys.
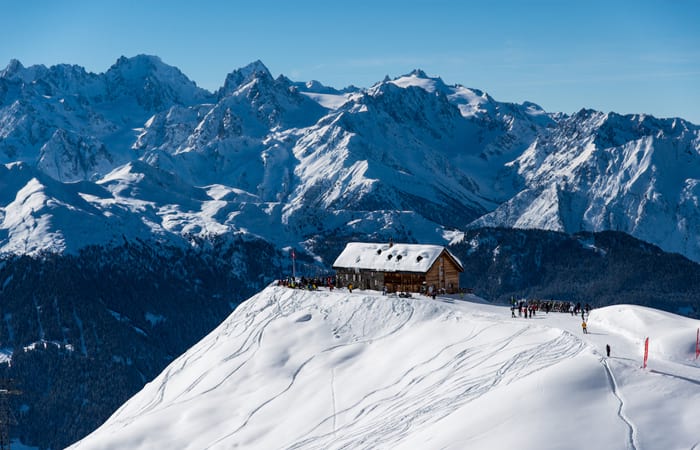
{"x": 335, "y": 339}
{"x": 296, "y": 373}
{"x": 335, "y": 407}
{"x": 425, "y": 393}
{"x": 632, "y": 434}
{"x": 251, "y": 339}
{"x": 389, "y": 413}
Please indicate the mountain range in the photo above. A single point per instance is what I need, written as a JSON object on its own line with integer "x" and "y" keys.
{"x": 141, "y": 152}
{"x": 131, "y": 200}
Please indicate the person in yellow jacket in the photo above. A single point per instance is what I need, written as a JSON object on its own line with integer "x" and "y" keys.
{"x": 585, "y": 329}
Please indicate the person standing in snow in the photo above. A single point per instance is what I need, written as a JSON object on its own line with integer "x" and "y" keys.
{"x": 607, "y": 349}
{"x": 585, "y": 329}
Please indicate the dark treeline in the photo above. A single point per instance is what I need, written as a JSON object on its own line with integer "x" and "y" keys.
{"x": 595, "y": 268}
{"x": 87, "y": 331}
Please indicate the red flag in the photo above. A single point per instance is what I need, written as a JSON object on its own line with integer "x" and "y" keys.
{"x": 294, "y": 255}
{"x": 646, "y": 352}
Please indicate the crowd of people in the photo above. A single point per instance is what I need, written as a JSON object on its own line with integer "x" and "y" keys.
{"x": 530, "y": 307}
{"x": 526, "y": 308}
{"x": 310, "y": 284}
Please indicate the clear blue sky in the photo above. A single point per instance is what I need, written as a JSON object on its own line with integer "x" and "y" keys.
{"x": 625, "y": 56}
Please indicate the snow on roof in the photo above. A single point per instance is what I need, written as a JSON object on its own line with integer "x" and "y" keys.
{"x": 391, "y": 258}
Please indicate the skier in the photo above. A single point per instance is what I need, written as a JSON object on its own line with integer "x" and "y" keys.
{"x": 585, "y": 329}
{"x": 607, "y": 349}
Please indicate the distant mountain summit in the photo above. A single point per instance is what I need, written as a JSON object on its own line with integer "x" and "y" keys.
{"x": 244, "y": 75}
{"x": 153, "y": 84}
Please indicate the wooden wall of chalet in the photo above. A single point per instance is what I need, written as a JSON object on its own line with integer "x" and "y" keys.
{"x": 404, "y": 281}
{"x": 444, "y": 274}
{"x": 360, "y": 278}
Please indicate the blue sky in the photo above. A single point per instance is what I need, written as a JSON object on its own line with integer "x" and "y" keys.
{"x": 623, "y": 56}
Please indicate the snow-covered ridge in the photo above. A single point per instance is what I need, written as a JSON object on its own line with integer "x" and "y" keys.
{"x": 599, "y": 171}
{"x": 299, "y": 369}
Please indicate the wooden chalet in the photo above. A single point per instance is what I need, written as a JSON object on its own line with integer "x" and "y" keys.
{"x": 399, "y": 267}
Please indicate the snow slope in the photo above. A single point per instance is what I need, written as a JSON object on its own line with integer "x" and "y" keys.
{"x": 323, "y": 370}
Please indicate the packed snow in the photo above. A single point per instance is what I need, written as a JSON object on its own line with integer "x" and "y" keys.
{"x": 331, "y": 369}
{"x": 5, "y": 355}
{"x": 330, "y": 101}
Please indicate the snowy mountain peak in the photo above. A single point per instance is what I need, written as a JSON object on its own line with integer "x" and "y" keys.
{"x": 256, "y": 66}
{"x": 153, "y": 83}
{"x": 419, "y": 78}
{"x": 140, "y": 68}
{"x": 471, "y": 102}
{"x": 418, "y": 73}
{"x": 532, "y": 106}
{"x": 15, "y": 71}
{"x": 12, "y": 68}
{"x": 241, "y": 76}
{"x": 141, "y": 65}
{"x": 315, "y": 86}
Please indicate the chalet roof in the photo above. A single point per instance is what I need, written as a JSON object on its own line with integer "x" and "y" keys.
{"x": 391, "y": 258}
